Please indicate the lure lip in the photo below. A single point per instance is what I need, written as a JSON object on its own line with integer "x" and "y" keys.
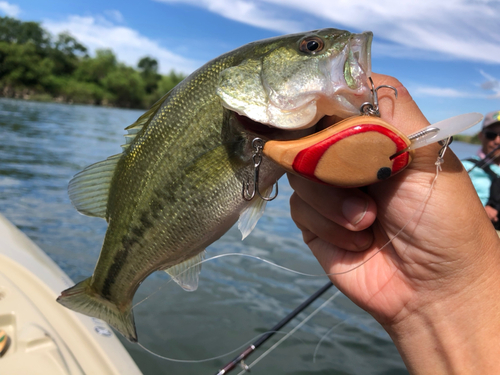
{"x": 443, "y": 129}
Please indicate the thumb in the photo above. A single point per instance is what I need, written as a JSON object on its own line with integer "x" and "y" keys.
{"x": 404, "y": 114}
{"x": 402, "y": 111}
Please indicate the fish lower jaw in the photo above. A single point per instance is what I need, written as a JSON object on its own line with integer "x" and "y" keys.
{"x": 357, "y": 63}
{"x": 355, "y": 78}
{"x": 360, "y": 56}
{"x": 267, "y": 132}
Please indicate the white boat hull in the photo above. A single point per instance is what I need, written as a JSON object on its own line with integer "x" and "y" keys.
{"x": 47, "y": 338}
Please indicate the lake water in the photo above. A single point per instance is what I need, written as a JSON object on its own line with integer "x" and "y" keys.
{"x": 45, "y": 144}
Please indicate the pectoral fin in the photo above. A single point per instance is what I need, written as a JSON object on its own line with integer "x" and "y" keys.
{"x": 251, "y": 215}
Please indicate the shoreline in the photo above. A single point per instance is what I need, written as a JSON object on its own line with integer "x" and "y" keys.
{"x": 46, "y": 98}
{"x": 30, "y": 95}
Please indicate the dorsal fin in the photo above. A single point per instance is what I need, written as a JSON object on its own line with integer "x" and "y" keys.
{"x": 89, "y": 189}
{"x": 142, "y": 121}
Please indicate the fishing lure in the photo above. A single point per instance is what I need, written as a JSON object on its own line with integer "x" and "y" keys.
{"x": 332, "y": 156}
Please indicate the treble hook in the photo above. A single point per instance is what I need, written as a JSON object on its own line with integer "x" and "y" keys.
{"x": 371, "y": 109}
{"x": 258, "y": 145}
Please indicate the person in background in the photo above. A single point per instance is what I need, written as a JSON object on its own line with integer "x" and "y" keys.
{"x": 435, "y": 287}
{"x": 484, "y": 169}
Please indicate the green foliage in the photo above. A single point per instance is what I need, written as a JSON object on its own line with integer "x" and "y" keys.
{"x": 96, "y": 69}
{"x": 34, "y": 64}
{"x": 164, "y": 85}
{"x": 22, "y": 67}
{"x": 70, "y": 90}
{"x": 149, "y": 72}
{"x": 126, "y": 86}
{"x": 15, "y": 31}
{"x": 474, "y": 139}
{"x": 65, "y": 54}
{"x": 169, "y": 81}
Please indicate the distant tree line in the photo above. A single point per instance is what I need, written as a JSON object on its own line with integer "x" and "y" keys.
{"x": 474, "y": 139}
{"x": 35, "y": 65}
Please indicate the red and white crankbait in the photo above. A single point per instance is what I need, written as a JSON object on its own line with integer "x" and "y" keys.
{"x": 359, "y": 150}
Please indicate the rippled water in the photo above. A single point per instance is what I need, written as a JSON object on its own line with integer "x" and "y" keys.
{"x": 45, "y": 144}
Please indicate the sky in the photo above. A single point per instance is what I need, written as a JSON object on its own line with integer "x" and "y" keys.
{"x": 447, "y": 53}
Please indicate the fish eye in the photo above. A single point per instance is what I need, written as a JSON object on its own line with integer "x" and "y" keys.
{"x": 311, "y": 45}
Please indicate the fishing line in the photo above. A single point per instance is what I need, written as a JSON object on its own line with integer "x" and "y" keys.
{"x": 240, "y": 255}
{"x": 324, "y": 337}
{"x": 298, "y": 326}
{"x": 228, "y": 255}
{"x": 211, "y": 358}
{"x": 438, "y": 164}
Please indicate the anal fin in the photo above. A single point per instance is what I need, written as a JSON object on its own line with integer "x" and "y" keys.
{"x": 187, "y": 273}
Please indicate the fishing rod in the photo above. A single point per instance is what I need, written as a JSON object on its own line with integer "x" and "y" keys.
{"x": 250, "y": 349}
{"x": 488, "y": 159}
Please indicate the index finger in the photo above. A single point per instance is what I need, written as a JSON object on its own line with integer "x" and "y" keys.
{"x": 350, "y": 208}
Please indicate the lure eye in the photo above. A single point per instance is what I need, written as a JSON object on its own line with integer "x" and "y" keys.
{"x": 311, "y": 45}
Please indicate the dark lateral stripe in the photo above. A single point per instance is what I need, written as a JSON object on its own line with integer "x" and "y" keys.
{"x": 128, "y": 242}
{"x": 118, "y": 263}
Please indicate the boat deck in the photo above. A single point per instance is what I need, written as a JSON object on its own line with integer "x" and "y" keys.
{"x": 47, "y": 338}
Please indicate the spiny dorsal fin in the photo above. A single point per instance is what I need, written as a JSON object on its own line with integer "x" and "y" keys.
{"x": 187, "y": 273}
{"x": 142, "y": 121}
{"x": 251, "y": 215}
{"x": 89, "y": 189}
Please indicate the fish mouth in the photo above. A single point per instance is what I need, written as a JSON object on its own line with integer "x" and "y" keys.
{"x": 267, "y": 132}
{"x": 349, "y": 80}
{"x": 357, "y": 65}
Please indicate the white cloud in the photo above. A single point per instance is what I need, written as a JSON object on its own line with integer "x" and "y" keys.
{"x": 448, "y": 92}
{"x": 491, "y": 84}
{"x": 443, "y": 92}
{"x": 114, "y": 15}
{"x": 462, "y": 29}
{"x": 9, "y": 9}
{"x": 128, "y": 44}
{"x": 254, "y": 13}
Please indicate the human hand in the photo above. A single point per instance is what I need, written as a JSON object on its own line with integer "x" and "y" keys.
{"x": 446, "y": 256}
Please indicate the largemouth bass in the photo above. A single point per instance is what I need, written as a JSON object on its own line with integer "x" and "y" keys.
{"x": 177, "y": 186}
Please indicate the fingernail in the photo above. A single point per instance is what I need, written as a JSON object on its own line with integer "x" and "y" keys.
{"x": 354, "y": 209}
{"x": 363, "y": 239}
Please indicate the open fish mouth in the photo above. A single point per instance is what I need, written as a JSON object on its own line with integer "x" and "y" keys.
{"x": 276, "y": 99}
{"x": 267, "y": 132}
{"x": 357, "y": 65}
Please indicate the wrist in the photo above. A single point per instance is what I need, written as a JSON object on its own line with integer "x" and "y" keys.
{"x": 454, "y": 333}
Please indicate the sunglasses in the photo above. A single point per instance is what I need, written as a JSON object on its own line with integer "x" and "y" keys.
{"x": 491, "y": 135}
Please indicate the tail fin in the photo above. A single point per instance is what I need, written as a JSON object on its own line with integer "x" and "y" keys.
{"x": 81, "y": 299}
